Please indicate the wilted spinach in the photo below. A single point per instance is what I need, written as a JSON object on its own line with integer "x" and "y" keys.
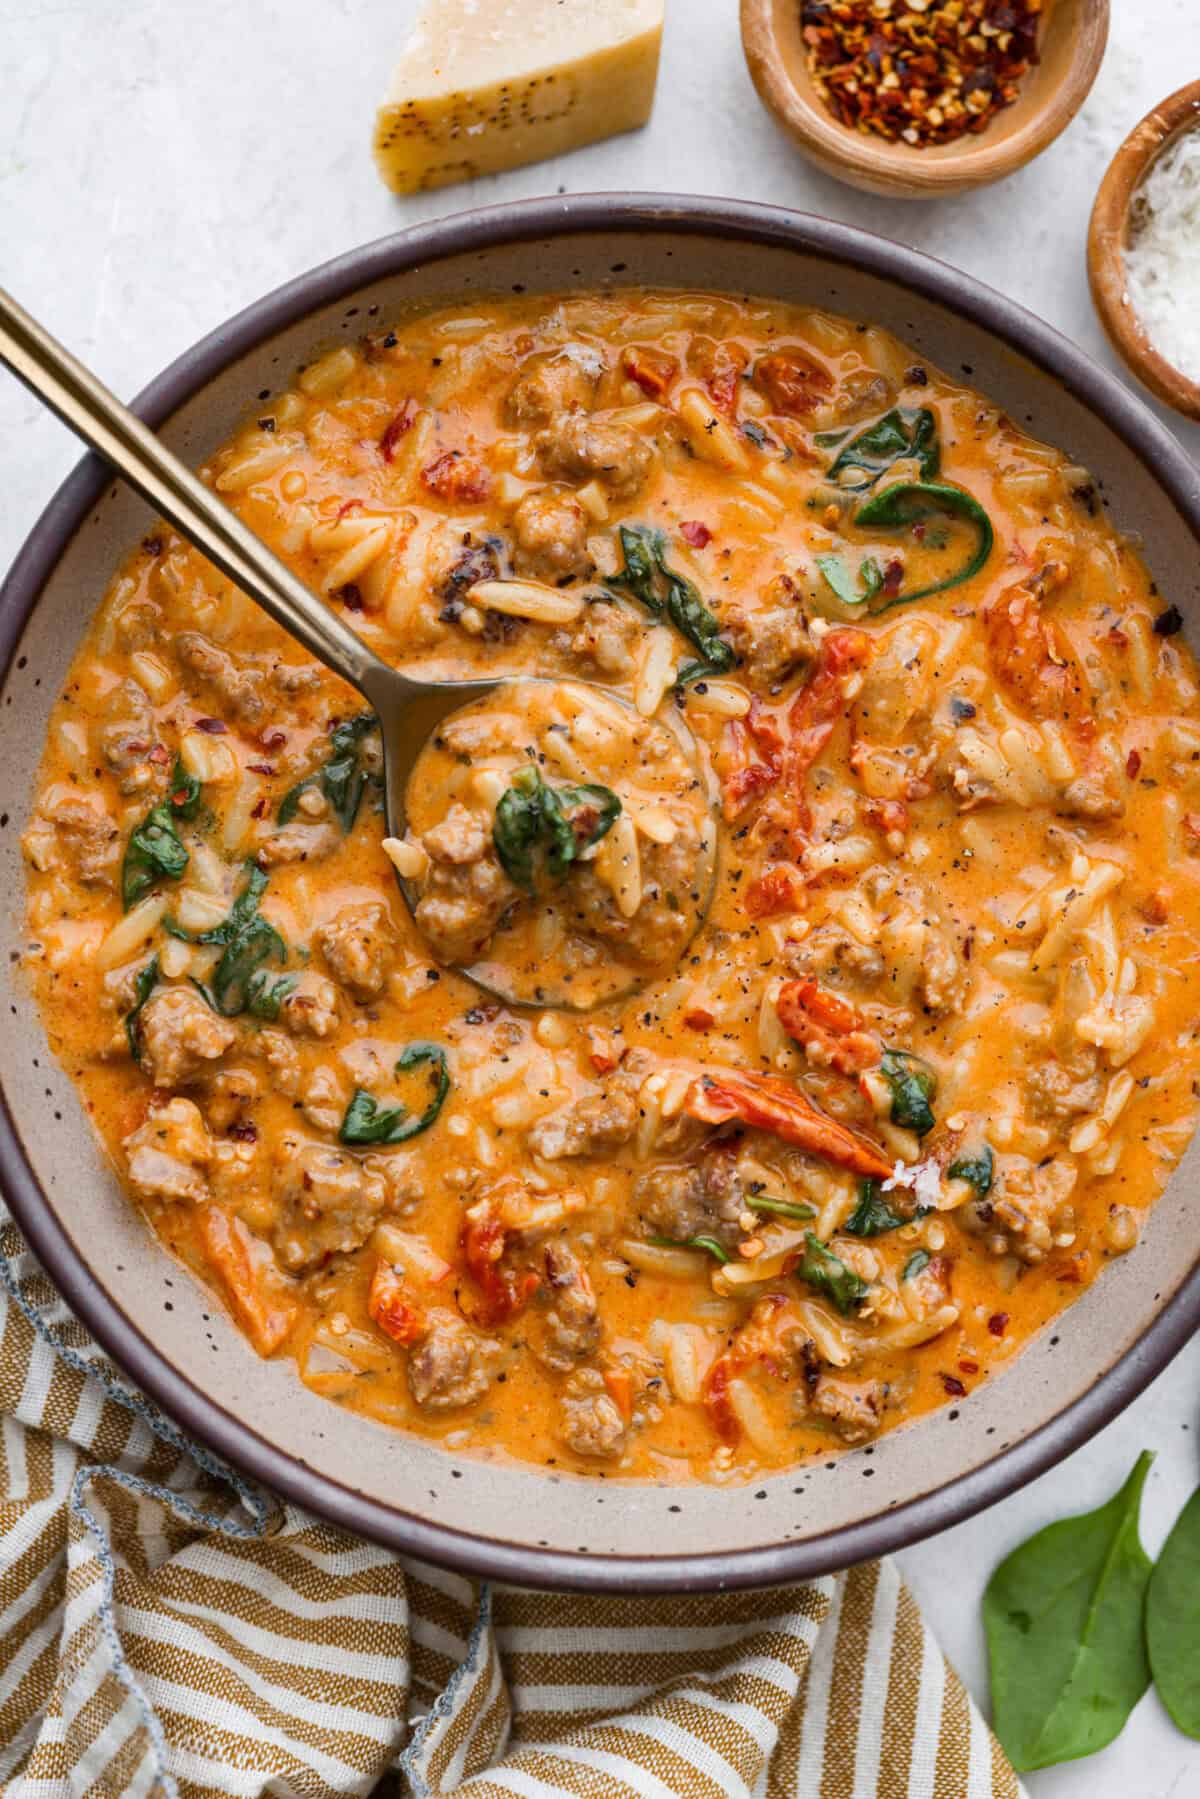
{"x": 155, "y": 851}
{"x": 979, "y": 1170}
{"x": 1063, "y": 1616}
{"x": 663, "y": 592}
{"x": 913, "y": 1085}
{"x": 709, "y": 1245}
{"x": 143, "y": 987}
{"x": 916, "y": 1264}
{"x": 341, "y": 778}
{"x": 907, "y": 433}
{"x": 822, "y": 1269}
{"x": 265, "y": 993}
{"x": 800, "y": 1210}
{"x": 366, "y": 1121}
{"x": 908, "y": 503}
{"x": 852, "y": 589}
{"x": 872, "y": 1216}
{"x": 538, "y": 827}
{"x": 1173, "y": 1620}
{"x": 246, "y": 940}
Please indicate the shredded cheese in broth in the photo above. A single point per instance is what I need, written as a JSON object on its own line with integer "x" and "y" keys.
{"x": 1162, "y": 260}
{"x": 843, "y": 1151}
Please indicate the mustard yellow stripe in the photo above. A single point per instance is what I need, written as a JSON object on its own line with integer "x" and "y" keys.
{"x": 94, "y": 1717}
{"x": 1004, "y": 1780}
{"x": 31, "y": 1693}
{"x": 784, "y": 1765}
{"x": 430, "y": 1669}
{"x": 37, "y": 1617}
{"x": 490, "y": 1735}
{"x": 321, "y": 1686}
{"x": 275, "y": 1557}
{"x": 190, "y": 1586}
{"x": 16, "y": 1350}
{"x": 840, "y": 1763}
{"x": 205, "y": 1674}
{"x": 429, "y": 1602}
{"x": 229, "y": 1748}
{"x": 460, "y": 1727}
{"x": 646, "y": 1667}
{"x": 126, "y": 1762}
{"x": 47, "y": 1761}
{"x": 572, "y": 1777}
{"x": 518, "y": 1608}
{"x": 952, "y": 1777}
{"x": 903, "y": 1695}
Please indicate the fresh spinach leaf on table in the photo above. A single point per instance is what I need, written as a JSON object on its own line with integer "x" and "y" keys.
{"x": 1173, "y": 1620}
{"x": 1063, "y": 1617}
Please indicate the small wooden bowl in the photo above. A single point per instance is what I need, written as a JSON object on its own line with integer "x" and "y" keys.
{"x": 1072, "y": 42}
{"x": 1108, "y": 235}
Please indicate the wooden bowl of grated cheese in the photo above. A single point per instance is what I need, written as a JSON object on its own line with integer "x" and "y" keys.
{"x": 1144, "y": 250}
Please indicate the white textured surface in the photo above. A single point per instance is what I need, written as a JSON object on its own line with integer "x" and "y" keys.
{"x": 162, "y": 162}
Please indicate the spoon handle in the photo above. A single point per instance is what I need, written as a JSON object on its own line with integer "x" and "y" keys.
{"x": 98, "y": 417}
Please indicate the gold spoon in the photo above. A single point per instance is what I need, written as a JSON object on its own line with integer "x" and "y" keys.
{"x": 409, "y": 710}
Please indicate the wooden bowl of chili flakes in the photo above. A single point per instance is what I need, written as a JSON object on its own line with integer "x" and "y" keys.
{"x": 921, "y": 98}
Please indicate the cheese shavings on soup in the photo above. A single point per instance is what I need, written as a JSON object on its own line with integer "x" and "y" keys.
{"x": 818, "y": 1159}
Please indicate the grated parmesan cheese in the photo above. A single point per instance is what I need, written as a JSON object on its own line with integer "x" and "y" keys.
{"x": 924, "y": 1178}
{"x": 1162, "y": 263}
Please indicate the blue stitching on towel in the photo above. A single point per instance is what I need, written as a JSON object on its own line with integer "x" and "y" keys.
{"x": 255, "y": 1503}
{"x": 447, "y": 1699}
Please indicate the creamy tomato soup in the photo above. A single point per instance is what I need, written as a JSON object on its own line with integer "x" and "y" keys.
{"x": 839, "y": 1145}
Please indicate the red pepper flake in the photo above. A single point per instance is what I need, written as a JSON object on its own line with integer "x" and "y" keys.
{"x": 919, "y": 75}
{"x": 272, "y": 738}
{"x": 969, "y": 1367}
{"x": 350, "y": 597}
{"x": 998, "y": 1323}
{"x": 159, "y": 754}
{"x": 243, "y": 1132}
{"x": 398, "y": 428}
{"x": 893, "y": 574}
{"x": 1133, "y": 763}
{"x": 954, "y": 1386}
{"x": 261, "y": 768}
{"x": 698, "y": 1018}
{"x": 215, "y": 727}
{"x": 258, "y": 809}
{"x": 693, "y": 531}
{"x": 349, "y": 506}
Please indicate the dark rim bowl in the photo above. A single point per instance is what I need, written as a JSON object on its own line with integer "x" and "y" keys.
{"x": 491, "y": 1517}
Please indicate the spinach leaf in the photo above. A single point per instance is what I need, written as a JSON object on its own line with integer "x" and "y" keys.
{"x": 184, "y": 791}
{"x": 538, "y": 825}
{"x": 780, "y": 1208}
{"x": 154, "y": 852}
{"x": 872, "y": 1215}
{"x": 913, "y": 1084}
{"x": 907, "y": 433}
{"x": 368, "y": 1122}
{"x": 916, "y": 1264}
{"x": 660, "y": 590}
{"x": 247, "y": 941}
{"x": 710, "y": 1245}
{"x": 909, "y": 503}
{"x": 265, "y": 993}
{"x": 852, "y": 590}
{"x": 143, "y": 987}
{"x": 342, "y": 778}
{"x": 1063, "y": 1616}
{"x": 979, "y": 1170}
{"x": 830, "y": 1275}
{"x": 1173, "y": 1620}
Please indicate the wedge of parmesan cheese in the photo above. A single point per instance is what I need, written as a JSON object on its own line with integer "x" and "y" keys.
{"x": 485, "y": 85}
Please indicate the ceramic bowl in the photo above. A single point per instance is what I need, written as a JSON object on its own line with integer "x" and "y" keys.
{"x": 1108, "y": 239}
{"x": 499, "y": 1518}
{"x": 1073, "y": 37}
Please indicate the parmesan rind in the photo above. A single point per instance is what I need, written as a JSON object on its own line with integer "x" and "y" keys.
{"x": 485, "y": 85}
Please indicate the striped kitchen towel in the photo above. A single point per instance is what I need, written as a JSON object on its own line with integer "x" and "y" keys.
{"x": 166, "y": 1628}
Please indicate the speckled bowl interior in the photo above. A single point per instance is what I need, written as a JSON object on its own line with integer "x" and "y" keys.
{"x": 508, "y": 1520}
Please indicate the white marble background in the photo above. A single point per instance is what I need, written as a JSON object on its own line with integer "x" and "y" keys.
{"x": 163, "y": 162}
